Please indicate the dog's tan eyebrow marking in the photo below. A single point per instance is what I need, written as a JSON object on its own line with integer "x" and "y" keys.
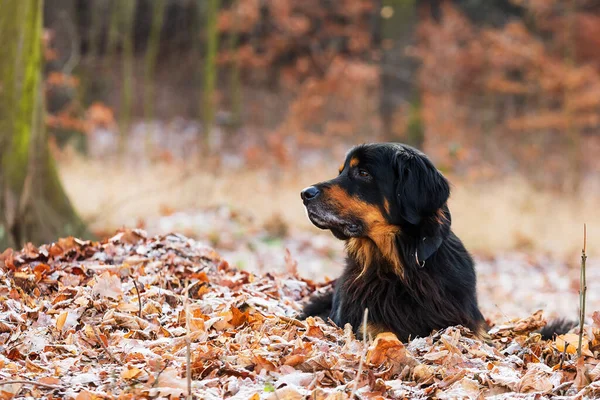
{"x": 354, "y": 162}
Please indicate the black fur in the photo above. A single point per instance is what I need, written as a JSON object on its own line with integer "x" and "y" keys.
{"x": 434, "y": 285}
{"x": 556, "y": 327}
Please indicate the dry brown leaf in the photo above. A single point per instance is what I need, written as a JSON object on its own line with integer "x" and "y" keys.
{"x": 436, "y": 355}
{"x": 33, "y": 367}
{"x": 5, "y": 328}
{"x": 60, "y": 321}
{"x": 294, "y": 359}
{"x": 423, "y": 373}
{"x": 388, "y": 351}
{"x": 595, "y": 372}
{"x": 261, "y": 363}
{"x": 49, "y": 380}
{"x": 531, "y": 323}
{"x": 85, "y": 395}
{"x": 386, "y": 347}
{"x": 170, "y": 383}
{"x": 285, "y": 393}
{"x": 315, "y": 331}
{"x": 130, "y": 373}
{"x": 571, "y": 340}
{"x": 108, "y": 285}
{"x": 536, "y": 379}
{"x": 582, "y": 378}
{"x": 596, "y": 318}
{"x": 238, "y": 317}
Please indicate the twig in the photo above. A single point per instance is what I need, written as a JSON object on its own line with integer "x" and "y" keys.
{"x": 292, "y": 321}
{"x": 139, "y": 297}
{"x": 360, "y": 364}
{"x": 25, "y": 382}
{"x": 564, "y": 355}
{"x": 582, "y": 291}
{"x": 562, "y": 386}
{"x": 160, "y": 372}
{"x": 188, "y": 350}
{"x": 110, "y": 354}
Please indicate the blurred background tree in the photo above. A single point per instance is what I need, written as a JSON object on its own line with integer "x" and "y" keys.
{"x": 33, "y": 203}
{"x": 461, "y": 79}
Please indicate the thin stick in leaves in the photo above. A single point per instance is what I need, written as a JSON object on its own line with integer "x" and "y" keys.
{"x": 582, "y": 291}
{"x": 365, "y": 347}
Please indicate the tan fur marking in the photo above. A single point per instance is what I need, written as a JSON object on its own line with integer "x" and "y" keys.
{"x": 341, "y": 168}
{"x": 354, "y": 162}
{"x": 440, "y": 217}
{"x": 482, "y": 332}
{"x": 381, "y": 235}
{"x": 373, "y": 330}
{"x": 362, "y": 249}
{"x": 386, "y": 206}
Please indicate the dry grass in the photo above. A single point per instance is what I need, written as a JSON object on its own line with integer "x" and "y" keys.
{"x": 489, "y": 217}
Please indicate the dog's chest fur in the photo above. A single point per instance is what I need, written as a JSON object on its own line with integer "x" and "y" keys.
{"x": 440, "y": 294}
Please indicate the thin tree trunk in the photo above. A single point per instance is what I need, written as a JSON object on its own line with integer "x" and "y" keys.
{"x": 210, "y": 70}
{"x": 127, "y": 17}
{"x": 158, "y": 11}
{"x": 397, "y": 24}
{"x": 234, "y": 77}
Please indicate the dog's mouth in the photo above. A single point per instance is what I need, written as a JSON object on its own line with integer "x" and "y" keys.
{"x": 341, "y": 228}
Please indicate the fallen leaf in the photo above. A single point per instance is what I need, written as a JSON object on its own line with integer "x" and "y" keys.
{"x": 262, "y": 363}
{"x": 596, "y": 318}
{"x": 238, "y": 317}
{"x": 170, "y": 383}
{"x": 388, "y": 351}
{"x": 571, "y": 340}
{"x": 582, "y": 378}
{"x": 536, "y": 379}
{"x": 60, "y": 321}
{"x": 108, "y": 285}
{"x": 423, "y": 373}
{"x": 130, "y": 373}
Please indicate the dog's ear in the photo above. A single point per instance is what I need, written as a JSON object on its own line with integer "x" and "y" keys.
{"x": 422, "y": 194}
{"x": 421, "y": 189}
{"x": 433, "y": 234}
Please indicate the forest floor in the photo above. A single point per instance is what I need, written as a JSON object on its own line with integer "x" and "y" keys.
{"x": 128, "y": 317}
{"x": 70, "y": 314}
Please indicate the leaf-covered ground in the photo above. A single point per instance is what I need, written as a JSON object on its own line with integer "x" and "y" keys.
{"x": 113, "y": 319}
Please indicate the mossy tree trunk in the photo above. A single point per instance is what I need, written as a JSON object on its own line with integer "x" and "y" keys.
{"x": 33, "y": 204}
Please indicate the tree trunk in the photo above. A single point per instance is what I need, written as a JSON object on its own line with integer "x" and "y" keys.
{"x": 127, "y": 10}
{"x": 210, "y": 70}
{"x": 158, "y": 13}
{"x": 397, "y": 24}
{"x": 33, "y": 204}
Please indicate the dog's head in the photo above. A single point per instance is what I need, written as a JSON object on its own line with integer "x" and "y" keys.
{"x": 383, "y": 191}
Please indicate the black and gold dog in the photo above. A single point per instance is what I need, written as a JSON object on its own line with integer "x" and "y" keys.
{"x": 389, "y": 203}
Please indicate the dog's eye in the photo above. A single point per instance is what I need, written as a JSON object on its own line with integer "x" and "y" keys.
{"x": 363, "y": 174}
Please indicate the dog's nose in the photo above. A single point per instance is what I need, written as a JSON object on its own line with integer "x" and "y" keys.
{"x": 309, "y": 193}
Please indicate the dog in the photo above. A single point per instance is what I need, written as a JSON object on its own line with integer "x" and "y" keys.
{"x": 404, "y": 264}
